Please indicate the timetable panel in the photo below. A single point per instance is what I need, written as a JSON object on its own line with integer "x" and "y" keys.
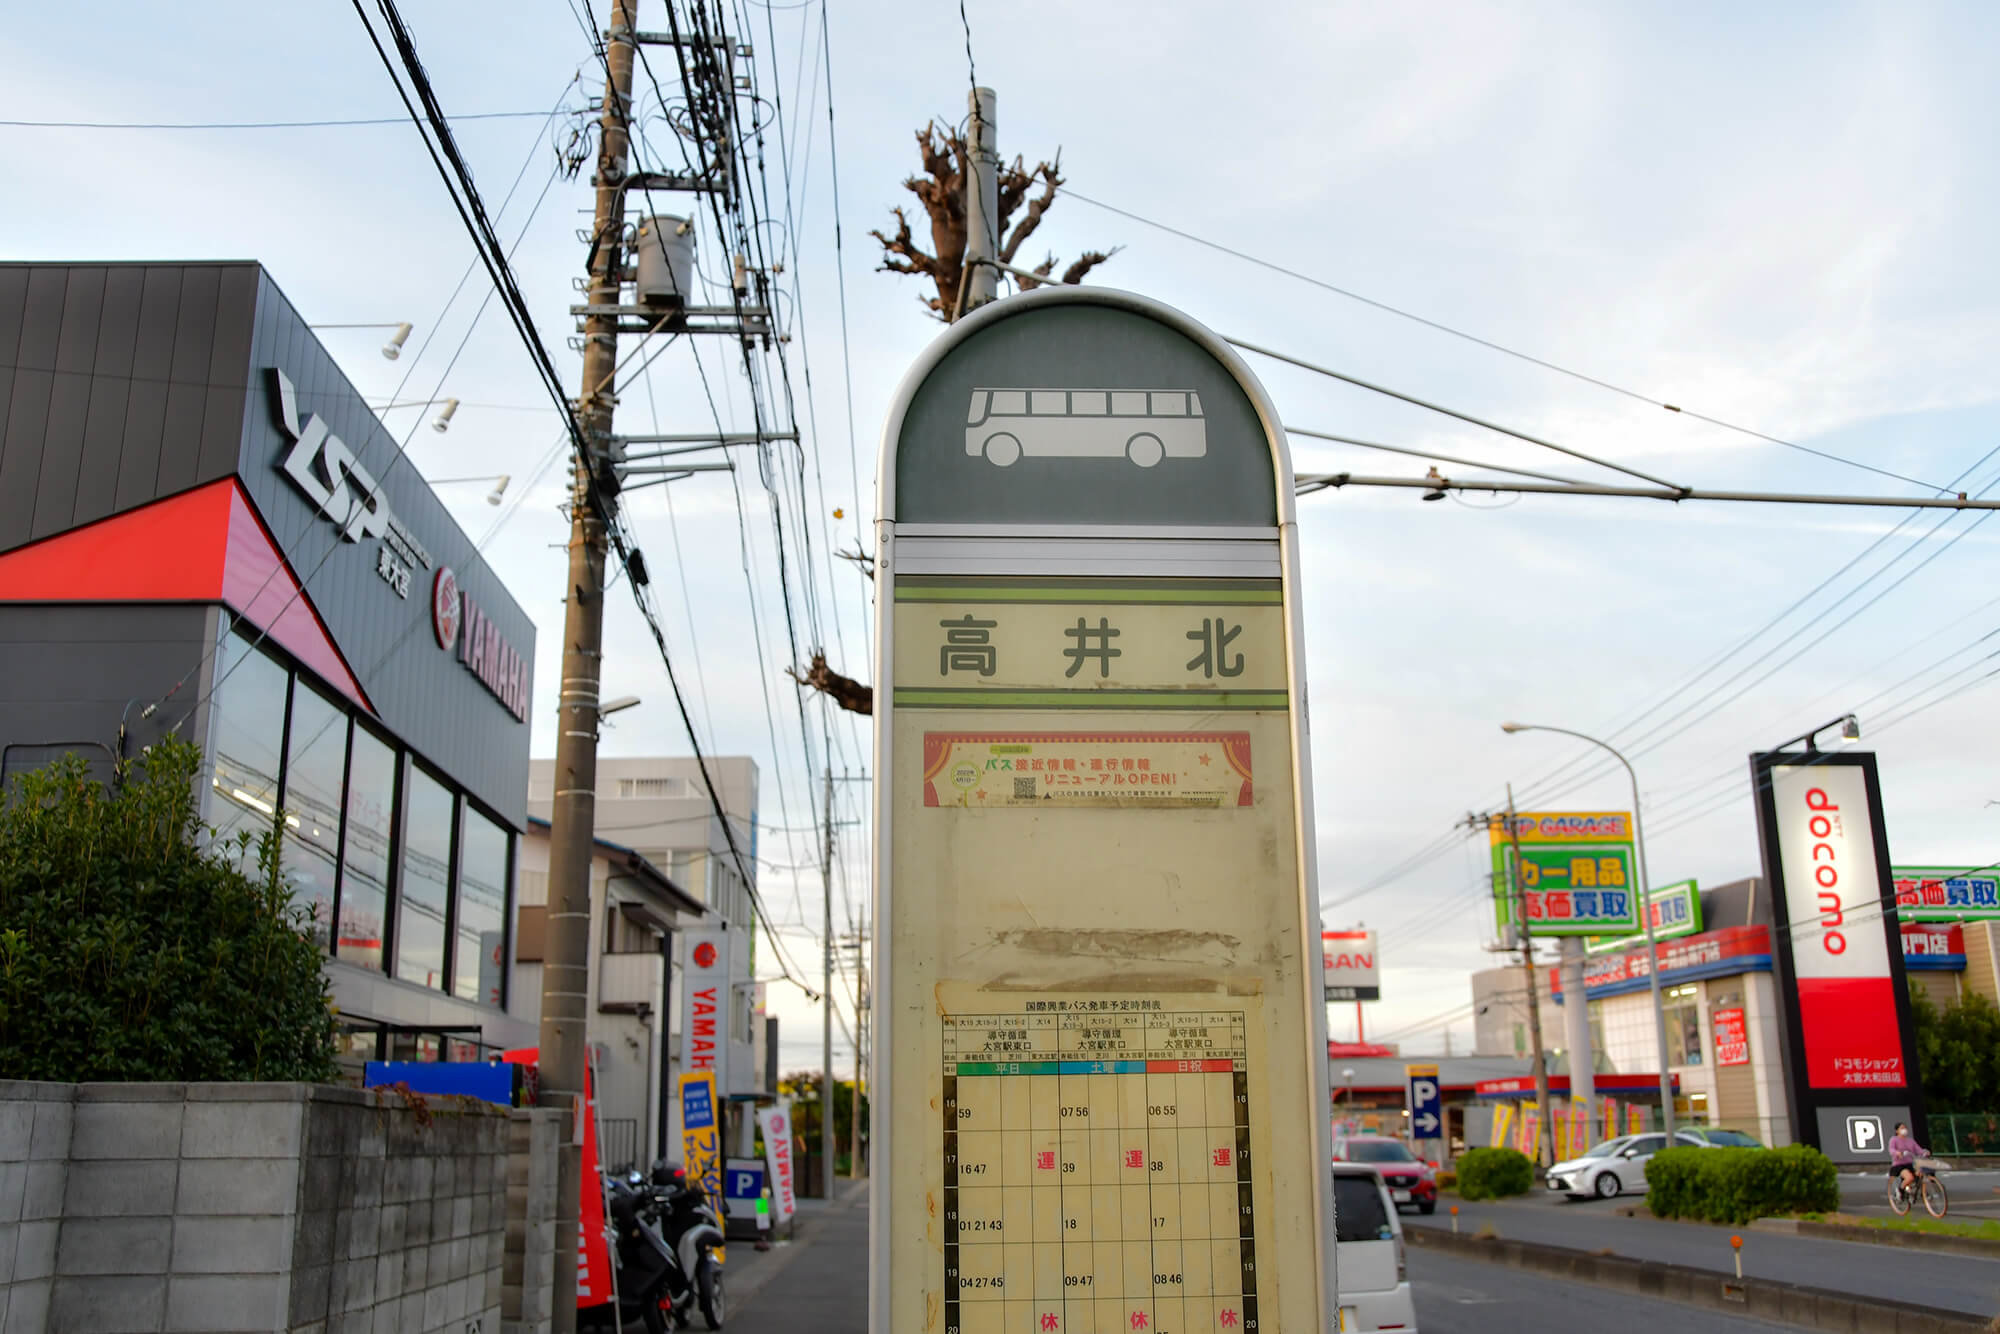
{"x": 1097, "y": 1172}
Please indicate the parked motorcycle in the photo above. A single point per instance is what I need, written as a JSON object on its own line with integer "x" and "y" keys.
{"x": 688, "y": 1224}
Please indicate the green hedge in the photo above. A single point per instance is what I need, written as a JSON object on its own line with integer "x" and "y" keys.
{"x": 1485, "y": 1174}
{"x": 1738, "y": 1185}
{"x": 131, "y": 950}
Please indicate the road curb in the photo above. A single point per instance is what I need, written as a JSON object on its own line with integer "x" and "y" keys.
{"x": 1766, "y": 1299}
{"x": 1882, "y": 1236}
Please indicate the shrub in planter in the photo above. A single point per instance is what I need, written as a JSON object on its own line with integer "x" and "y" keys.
{"x": 1485, "y": 1174}
{"x": 1738, "y": 1185}
{"x": 131, "y": 950}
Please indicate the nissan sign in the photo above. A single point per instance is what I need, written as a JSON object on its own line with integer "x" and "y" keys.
{"x": 1351, "y": 974}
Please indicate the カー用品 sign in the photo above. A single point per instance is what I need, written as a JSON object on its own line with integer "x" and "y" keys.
{"x": 1567, "y": 873}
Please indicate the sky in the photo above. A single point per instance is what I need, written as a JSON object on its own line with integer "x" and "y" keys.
{"x": 1776, "y": 217}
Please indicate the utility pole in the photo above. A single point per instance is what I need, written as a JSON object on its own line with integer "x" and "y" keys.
{"x": 1543, "y": 1135}
{"x": 854, "y": 1117}
{"x": 573, "y": 813}
{"x": 980, "y": 282}
{"x": 826, "y": 1004}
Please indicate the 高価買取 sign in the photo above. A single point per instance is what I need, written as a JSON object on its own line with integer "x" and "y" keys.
{"x": 1946, "y": 894}
{"x": 1676, "y": 910}
{"x": 1572, "y": 876}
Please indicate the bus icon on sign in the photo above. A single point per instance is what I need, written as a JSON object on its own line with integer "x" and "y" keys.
{"x": 1145, "y": 426}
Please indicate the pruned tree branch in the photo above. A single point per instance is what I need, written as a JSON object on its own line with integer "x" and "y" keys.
{"x": 848, "y": 693}
{"x": 940, "y": 188}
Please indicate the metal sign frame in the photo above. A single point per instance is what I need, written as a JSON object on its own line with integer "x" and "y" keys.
{"x": 1146, "y": 548}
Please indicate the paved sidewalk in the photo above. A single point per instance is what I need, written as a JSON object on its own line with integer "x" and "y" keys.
{"x": 1951, "y": 1282}
{"x": 817, "y": 1282}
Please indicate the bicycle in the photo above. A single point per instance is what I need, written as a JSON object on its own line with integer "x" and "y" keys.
{"x": 1937, "y": 1201}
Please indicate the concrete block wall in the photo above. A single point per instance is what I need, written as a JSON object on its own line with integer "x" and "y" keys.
{"x": 34, "y": 1148}
{"x": 227, "y": 1207}
{"x": 528, "y": 1277}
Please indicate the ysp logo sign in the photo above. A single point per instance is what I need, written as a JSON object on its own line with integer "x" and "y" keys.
{"x": 322, "y": 466}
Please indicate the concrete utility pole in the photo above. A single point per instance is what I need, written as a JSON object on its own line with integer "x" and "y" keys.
{"x": 1576, "y": 1031}
{"x": 573, "y": 814}
{"x": 826, "y": 1007}
{"x": 981, "y": 281}
{"x": 1543, "y": 1136}
{"x": 854, "y": 1119}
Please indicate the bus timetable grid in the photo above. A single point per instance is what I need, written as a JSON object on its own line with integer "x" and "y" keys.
{"x": 1097, "y": 1174}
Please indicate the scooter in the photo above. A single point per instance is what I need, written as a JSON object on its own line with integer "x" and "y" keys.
{"x": 689, "y": 1227}
{"x": 646, "y": 1265}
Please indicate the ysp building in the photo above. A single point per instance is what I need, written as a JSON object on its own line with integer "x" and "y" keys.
{"x": 204, "y": 528}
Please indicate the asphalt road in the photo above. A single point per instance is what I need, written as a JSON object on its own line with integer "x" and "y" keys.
{"x": 1953, "y": 1282}
{"x": 1456, "y": 1296}
{"x": 819, "y": 1284}
{"x": 1974, "y": 1195}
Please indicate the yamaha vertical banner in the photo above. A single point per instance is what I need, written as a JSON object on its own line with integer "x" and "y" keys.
{"x": 1851, "y": 1042}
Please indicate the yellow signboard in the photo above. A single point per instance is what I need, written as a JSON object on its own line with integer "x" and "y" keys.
{"x": 1030, "y": 769}
{"x": 1101, "y": 1056}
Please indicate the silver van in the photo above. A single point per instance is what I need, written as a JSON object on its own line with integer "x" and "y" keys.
{"x": 1368, "y": 1236}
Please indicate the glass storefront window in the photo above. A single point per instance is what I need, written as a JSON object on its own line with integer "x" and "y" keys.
{"x": 314, "y": 769}
{"x": 1682, "y": 1006}
{"x": 247, "y": 726}
{"x": 481, "y": 954}
{"x": 364, "y": 877}
{"x": 426, "y": 888}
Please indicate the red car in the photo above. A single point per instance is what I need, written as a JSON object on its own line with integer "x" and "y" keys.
{"x": 1409, "y": 1178}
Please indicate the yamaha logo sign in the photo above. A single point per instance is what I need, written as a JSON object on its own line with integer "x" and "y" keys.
{"x": 444, "y": 608}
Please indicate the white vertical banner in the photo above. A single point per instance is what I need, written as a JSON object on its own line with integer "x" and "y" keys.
{"x": 775, "y": 1121}
{"x": 705, "y": 998}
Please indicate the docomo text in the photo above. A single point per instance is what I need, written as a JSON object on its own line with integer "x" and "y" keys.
{"x": 1823, "y": 825}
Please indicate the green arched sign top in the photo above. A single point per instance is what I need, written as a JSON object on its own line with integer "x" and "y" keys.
{"x": 1083, "y": 406}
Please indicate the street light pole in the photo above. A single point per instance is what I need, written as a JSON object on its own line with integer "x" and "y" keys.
{"x": 1645, "y": 916}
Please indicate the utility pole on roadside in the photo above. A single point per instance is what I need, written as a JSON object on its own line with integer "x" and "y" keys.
{"x": 980, "y": 280}
{"x": 860, "y": 946}
{"x": 826, "y": 1006}
{"x": 573, "y": 813}
{"x": 1543, "y": 1132}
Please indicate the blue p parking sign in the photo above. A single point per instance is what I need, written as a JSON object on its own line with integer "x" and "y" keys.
{"x": 1426, "y": 1102}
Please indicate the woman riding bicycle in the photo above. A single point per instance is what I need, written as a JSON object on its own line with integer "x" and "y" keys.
{"x": 1903, "y": 1155}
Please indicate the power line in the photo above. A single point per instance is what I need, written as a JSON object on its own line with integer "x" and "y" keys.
{"x": 1488, "y": 343}
{"x": 249, "y": 124}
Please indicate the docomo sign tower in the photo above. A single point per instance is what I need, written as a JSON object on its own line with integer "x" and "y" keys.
{"x": 1851, "y": 1043}
{"x": 1097, "y": 971}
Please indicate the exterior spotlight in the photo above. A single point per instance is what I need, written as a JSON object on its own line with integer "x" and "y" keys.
{"x": 499, "y": 489}
{"x": 1850, "y": 728}
{"x": 394, "y": 347}
{"x": 1436, "y": 479}
{"x": 611, "y": 706}
{"x": 445, "y": 414}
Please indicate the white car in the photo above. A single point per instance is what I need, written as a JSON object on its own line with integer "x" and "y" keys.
{"x": 1613, "y": 1167}
{"x": 1368, "y": 1241}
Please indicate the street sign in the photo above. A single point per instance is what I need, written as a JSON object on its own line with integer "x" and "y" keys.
{"x": 1575, "y": 872}
{"x": 1100, "y": 1060}
{"x": 1426, "y": 1102}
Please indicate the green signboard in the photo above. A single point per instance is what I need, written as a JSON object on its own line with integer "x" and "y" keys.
{"x": 1676, "y": 912}
{"x": 1573, "y": 874}
{"x": 1946, "y": 894}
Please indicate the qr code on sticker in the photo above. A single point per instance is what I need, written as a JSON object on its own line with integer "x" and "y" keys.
{"x": 1024, "y": 789}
